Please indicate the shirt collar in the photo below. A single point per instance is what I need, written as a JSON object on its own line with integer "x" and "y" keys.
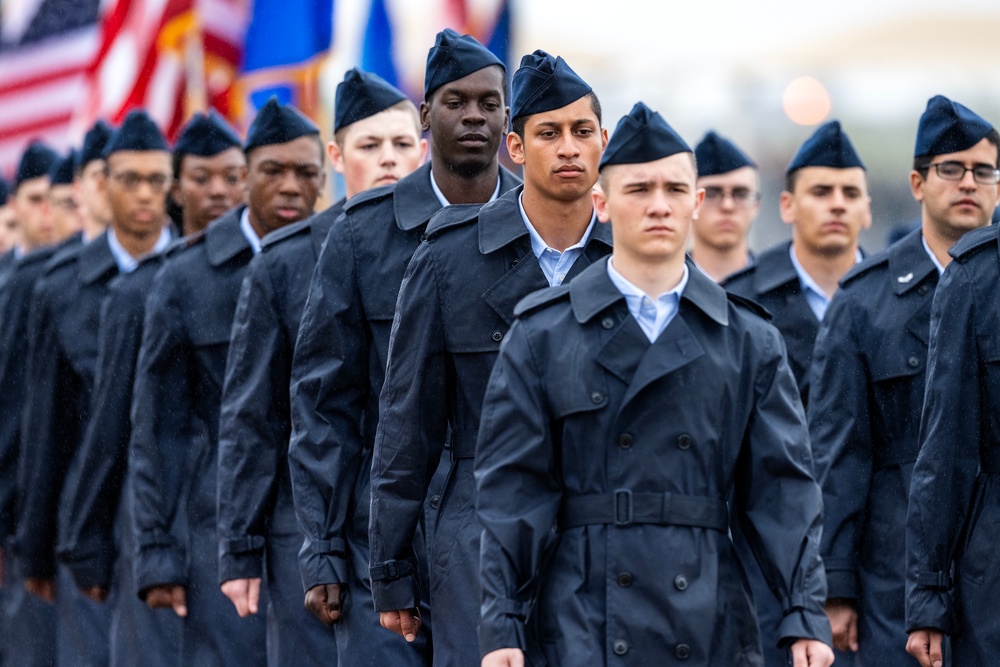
{"x": 444, "y": 200}
{"x": 249, "y": 232}
{"x": 807, "y": 280}
{"x": 125, "y": 261}
{"x": 538, "y": 245}
{"x": 630, "y": 291}
{"x": 927, "y": 248}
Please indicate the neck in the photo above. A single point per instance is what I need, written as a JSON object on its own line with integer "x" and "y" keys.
{"x": 92, "y": 228}
{"x": 459, "y": 188}
{"x": 138, "y": 245}
{"x": 718, "y": 263}
{"x": 190, "y": 224}
{"x": 561, "y": 224}
{"x": 652, "y": 277}
{"x": 826, "y": 270}
{"x": 939, "y": 240}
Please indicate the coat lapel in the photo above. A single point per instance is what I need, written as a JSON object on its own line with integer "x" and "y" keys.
{"x": 676, "y": 347}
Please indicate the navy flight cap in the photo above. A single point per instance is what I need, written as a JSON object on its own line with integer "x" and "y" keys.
{"x": 543, "y": 83}
{"x": 717, "y": 155}
{"x": 453, "y": 57}
{"x": 642, "y": 136}
{"x": 829, "y": 146}
{"x": 206, "y": 135}
{"x": 948, "y": 127}
{"x": 137, "y": 132}
{"x": 360, "y": 95}
{"x": 278, "y": 124}
{"x": 61, "y": 172}
{"x": 35, "y": 162}
{"x": 93, "y": 144}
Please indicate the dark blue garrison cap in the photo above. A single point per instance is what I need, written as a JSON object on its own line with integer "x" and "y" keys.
{"x": 948, "y": 127}
{"x": 137, "y": 132}
{"x": 543, "y": 83}
{"x": 829, "y": 146}
{"x": 642, "y": 136}
{"x": 718, "y": 155}
{"x": 206, "y": 135}
{"x": 360, "y": 95}
{"x": 93, "y": 144}
{"x": 35, "y": 162}
{"x": 4, "y": 192}
{"x": 454, "y": 56}
{"x": 61, "y": 172}
{"x": 277, "y": 124}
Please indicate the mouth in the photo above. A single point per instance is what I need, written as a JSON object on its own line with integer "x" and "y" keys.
{"x": 386, "y": 179}
{"x": 473, "y": 140}
{"x": 966, "y": 203}
{"x": 288, "y": 212}
{"x": 835, "y": 227}
{"x": 569, "y": 171}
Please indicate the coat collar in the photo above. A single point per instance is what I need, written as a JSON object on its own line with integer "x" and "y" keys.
{"x": 96, "y": 260}
{"x": 224, "y": 239}
{"x": 909, "y": 264}
{"x": 773, "y": 269}
{"x": 592, "y": 292}
{"x": 414, "y": 202}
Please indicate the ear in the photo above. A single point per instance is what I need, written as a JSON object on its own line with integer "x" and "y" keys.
{"x": 604, "y": 138}
{"x": 515, "y": 148}
{"x": 336, "y": 156}
{"x": 425, "y": 117}
{"x": 423, "y": 150}
{"x": 787, "y": 207}
{"x": 600, "y": 203}
{"x": 917, "y": 185}
{"x": 699, "y": 199}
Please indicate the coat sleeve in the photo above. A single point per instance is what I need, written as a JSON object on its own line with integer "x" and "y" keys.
{"x": 92, "y": 496}
{"x": 46, "y": 442}
{"x": 13, "y": 343}
{"x": 777, "y": 499}
{"x": 841, "y": 437}
{"x": 518, "y": 494}
{"x": 948, "y": 463}
{"x": 411, "y": 432}
{"x": 252, "y": 446}
{"x": 160, "y": 442}
{"x": 330, "y": 389}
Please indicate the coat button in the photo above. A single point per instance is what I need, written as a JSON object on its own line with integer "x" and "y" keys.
{"x": 620, "y": 647}
{"x": 680, "y": 582}
{"x": 913, "y": 362}
{"x": 682, "y": 651}
{"x": 625, "y": 579}
{"x": 625, "y": 440}
{"x": 608, "y": 323}
{"x": 922, "y": 289}
{"x": 596, "y": 397}
{"x": 497, "y": 336}
{"x": 435, "y": 502}
{"x": 514, "y": 263}
{"x": 684, "y": 441}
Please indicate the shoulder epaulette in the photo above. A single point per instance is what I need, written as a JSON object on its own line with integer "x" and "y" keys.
{"x": 452, "y": 216}
{"x": 540, "y": 299}
{"x": 282, "y": 233}
{"x": 749, "y": 304}
{"x": 864, "y": 266}
{"x": 973, "y": 241}
{"x": 369, "y": 196}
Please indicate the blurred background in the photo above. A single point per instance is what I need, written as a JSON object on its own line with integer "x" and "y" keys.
{"x": 764, "y": 74}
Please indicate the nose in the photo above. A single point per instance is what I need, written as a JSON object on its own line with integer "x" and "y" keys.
{"x": 387, "y": 156}
{"x": 568, "y": 147}
{"x": 659, "y": 204}
{"x": 289, "y": 183}
{"x": 473, "y": 115}
{"x": 967, "y": 182}
{"x": 838, "y": 202}
{"x": 727, "y": 202}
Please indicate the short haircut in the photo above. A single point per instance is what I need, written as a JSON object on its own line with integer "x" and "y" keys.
{"x": 922, "y": 163}
{"x": 595, "y": 104}
{"x": 402, "y": 105}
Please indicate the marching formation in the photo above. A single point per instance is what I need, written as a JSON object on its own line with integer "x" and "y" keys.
{"x": 462, "y": 417}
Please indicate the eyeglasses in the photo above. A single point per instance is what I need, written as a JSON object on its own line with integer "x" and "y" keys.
{"x": 985, "y": 174}
{"x": 742, "y": 197}
{"x": 131, "y": 180}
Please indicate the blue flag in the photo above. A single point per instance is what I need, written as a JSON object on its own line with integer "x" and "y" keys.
{"x": 376, "y": 52}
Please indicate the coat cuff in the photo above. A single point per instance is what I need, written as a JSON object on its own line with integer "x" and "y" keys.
{"x": 803, "y": 624}
{"x": 323, "y": 563}
{"x": 502, "y": 626}
{"x": 928, "y": 607}
{"x": 400, "y": 593}
{"x": 841, "y": 579}
{"x": 90, "y": 569}
{"x": 36, "y": 563}
{"x": 158, "y": 562}
{"x": 241, "y": 558}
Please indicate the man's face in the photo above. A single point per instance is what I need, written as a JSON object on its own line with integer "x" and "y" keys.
{"x": 284, "y": 182}
{"x": 955, "y": 207}
{"x": 136, "y": 189}
{"x": 31, "y": 206}
{"x": 561, "y": 150}
{"x": 207, "y": 187}
{"x": 650, "y": 206}
{"x": 91, "y": 193}
{"x": 828, "y": 208}
{"x": 65, "y": 210}
{"x": 9, "y": 233}
{"x": 378, "y": 150}
{"x": 467, "y": 119}
{"x": 732, "y": 202}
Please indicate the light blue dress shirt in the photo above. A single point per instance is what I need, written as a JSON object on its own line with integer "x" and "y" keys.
{"x": 554, "y": 264}
{"x": 444, "y": 200}
{"x": 653, "y": 315}
{"x": 126, "y": 262}
{"x": 937, "y": 264}
{"x": 815, "y": 296}
{"x": 249, "y": 232}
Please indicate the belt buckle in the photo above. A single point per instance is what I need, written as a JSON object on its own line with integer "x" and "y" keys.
{"x": 623, "y": 511}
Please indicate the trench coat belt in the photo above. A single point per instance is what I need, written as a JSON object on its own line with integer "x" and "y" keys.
{"x": 463, "y": 444}
{"x": 990, "y": 459}
{"x": 625, "y": 507}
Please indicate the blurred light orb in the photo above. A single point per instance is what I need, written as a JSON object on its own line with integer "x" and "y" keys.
{"x": 806, "y": 101}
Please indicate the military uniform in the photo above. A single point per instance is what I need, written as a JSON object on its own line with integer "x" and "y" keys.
{"x": 867, "y": 387}
{"x": 175, "y": 429}
{"x": 338, "y": 373}
{"x": 953, "y": 565}
{"x": 257, "y": 526}
{"x": 455, "y": 305}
